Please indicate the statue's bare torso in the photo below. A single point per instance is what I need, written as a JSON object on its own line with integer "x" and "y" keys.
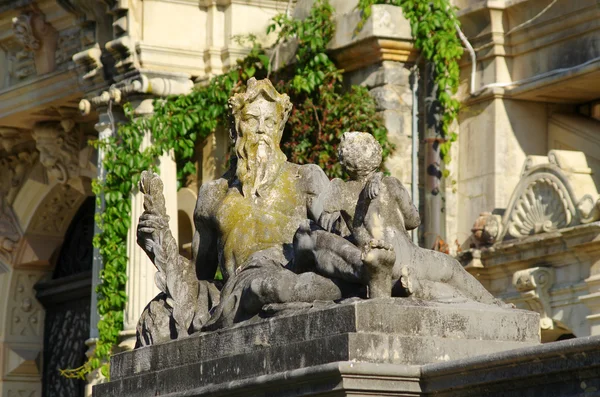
{"x": 246, "y": 225}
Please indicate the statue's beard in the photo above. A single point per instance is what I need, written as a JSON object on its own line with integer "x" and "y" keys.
{"x": 258, "y": 163}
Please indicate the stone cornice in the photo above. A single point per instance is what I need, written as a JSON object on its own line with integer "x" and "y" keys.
{"x": 557, "y": 248}
{"x": 142, "y": 83}
{"x": 18, "y": 106}
{"x": 386, "y": 36}
{"x": 273, "y": 4}
{"x": 374, "y": 50}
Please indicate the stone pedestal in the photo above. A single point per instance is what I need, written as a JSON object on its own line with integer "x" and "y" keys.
{"x": 379, "y": 336}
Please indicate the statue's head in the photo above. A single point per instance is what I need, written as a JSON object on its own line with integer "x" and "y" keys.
{"x": 359, "y": 154}
{"x": 259, "y": 116}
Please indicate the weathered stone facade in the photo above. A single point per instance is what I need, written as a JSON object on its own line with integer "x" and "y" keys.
{"x": 528, "y": 159}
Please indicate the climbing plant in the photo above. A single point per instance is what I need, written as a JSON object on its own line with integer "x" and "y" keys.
{"x": 434, "y": 29}
{"x": 323, "y": 110}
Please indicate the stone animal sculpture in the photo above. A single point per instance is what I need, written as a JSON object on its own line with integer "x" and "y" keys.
{"x": 267, "y": 224}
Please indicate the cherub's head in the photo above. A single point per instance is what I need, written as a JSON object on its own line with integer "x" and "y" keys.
{"x": 359, "y": 154}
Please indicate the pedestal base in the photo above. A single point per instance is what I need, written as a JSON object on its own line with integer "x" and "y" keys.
{"x": 398, "y": 335}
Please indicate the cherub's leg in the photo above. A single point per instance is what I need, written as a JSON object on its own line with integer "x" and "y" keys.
{"x": 443, "y": 268}
{"x": 378, "y": 259}
{"x": 469, "y": 286}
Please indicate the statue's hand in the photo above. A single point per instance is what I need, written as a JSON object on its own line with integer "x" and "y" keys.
{"x": 373, "y": 184}
{"x": 147, "y": 236}
{"x": 328, "y": 219}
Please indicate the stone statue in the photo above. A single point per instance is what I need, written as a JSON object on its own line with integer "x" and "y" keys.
{"x": 283, "y": 234}
{"x": 378, "y": 252}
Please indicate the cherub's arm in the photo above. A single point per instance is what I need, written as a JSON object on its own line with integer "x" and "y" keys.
{"x": 411, "y": 216}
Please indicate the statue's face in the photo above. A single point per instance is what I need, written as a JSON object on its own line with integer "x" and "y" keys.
{"x": 257, "y": 144}
{"x": 258, "y": 118}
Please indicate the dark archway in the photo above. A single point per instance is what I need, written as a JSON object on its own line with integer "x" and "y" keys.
{"x": 66, "y": 298}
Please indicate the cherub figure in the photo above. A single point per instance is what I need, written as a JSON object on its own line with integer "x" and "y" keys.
{"x": 378, "y": 212}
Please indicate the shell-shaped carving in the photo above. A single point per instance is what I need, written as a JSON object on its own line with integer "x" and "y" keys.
{"x": 542, "y": 207}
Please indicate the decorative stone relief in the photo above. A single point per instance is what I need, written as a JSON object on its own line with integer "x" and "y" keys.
{"x": 26, "y": 313}
{"x": 9, "y": 233}
{"x": 534, "y": 284}
{"x": 555, "y": 192}
{"x": 14, "y": 169}
{"x": 36, "y": 35}
{"x": 486, "y": 229}
{"x": 20, "y": 61}
{"x": 69, "y": 42}
{"x": 23, "y": 30}
{"x": 59, "y": 146}
{"x": 543, "y": 206}
{"x": 23, "y": 391}
{"x": 56, "y": 211}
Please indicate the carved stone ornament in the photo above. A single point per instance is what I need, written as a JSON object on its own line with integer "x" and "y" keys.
{"x": 544, "y": 205}
{"x": 56, "y": 211}
{"x": 60, "y": 150}
{"x": 486, "y": 229}
{"x": 13, "y": 170}
{"x": 534, "y": 284}
{"x": 36, "y": 35}
{"x": 23, "y": 30}
{"x": 555, "y": 192}
{"x": 26, "y": 313}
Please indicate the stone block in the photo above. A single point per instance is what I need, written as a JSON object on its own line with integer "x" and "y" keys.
{"x": 403, "y": 332}
{"x": 386, "y": 72}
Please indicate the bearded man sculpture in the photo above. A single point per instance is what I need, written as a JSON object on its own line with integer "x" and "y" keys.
{"x": 250, "y": 223}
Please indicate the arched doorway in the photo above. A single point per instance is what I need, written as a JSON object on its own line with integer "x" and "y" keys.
{"x": 66, "y": 298}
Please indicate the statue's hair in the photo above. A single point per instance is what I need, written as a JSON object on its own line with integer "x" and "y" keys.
{"x": 359, "y": 153}
{"x": 254, "y": 89}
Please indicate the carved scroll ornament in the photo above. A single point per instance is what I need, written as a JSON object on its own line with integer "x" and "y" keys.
{"x": 534, "y": 285}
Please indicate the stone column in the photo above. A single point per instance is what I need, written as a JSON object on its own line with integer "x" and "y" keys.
{"x": 141, "y": 288}
{"x": 109, "y": 115}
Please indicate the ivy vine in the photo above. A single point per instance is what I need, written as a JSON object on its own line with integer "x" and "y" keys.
{"x": 323, "y": 110}
{"x": 433, "y": 24}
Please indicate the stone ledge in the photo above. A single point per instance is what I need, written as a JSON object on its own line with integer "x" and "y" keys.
{"x": 567, "y": 368}
{"x": 401, "y": 318}
{"x": 405, "y": 332}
